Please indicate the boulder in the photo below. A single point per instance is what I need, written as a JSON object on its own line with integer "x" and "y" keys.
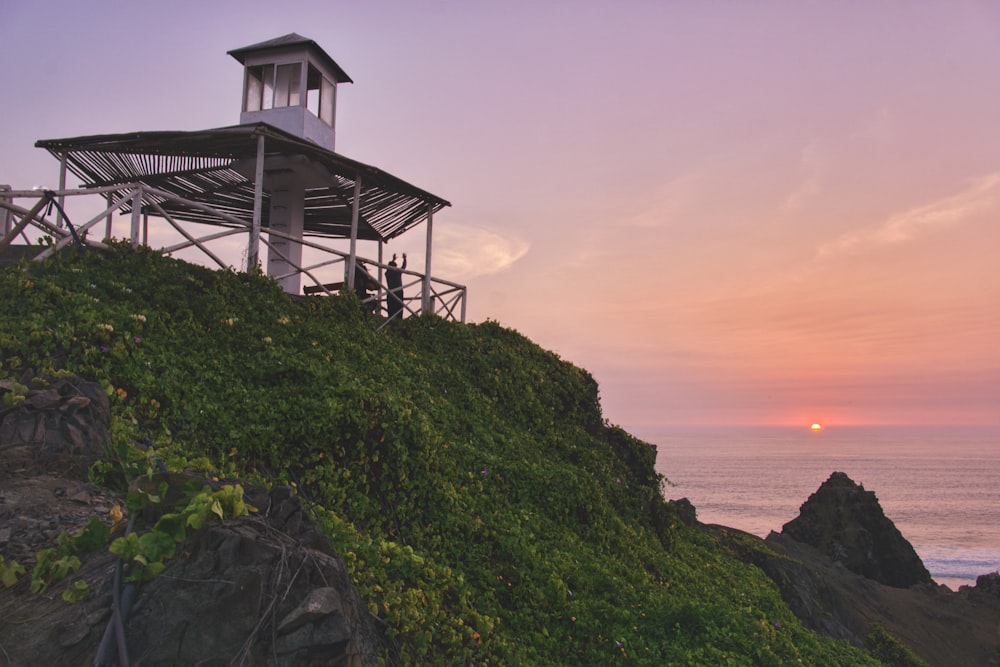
{"x": 988, "y": 584}
{"x": 247, "y": 592}
{"x": 60, "y": 426}
{"x": 847, "y": 524}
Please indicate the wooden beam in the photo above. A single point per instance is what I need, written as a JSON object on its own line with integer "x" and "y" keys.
{"x": 62, "y": 186}
{"x": 425, "y": 301}
{"x": 6, "y": 215}
{"x": 136, "y": 216}
{"x": 188, "y": 236}
{"x": 352, "y": 261}
{"x": 25, "y": 221}
{"x": 253, "y": 245}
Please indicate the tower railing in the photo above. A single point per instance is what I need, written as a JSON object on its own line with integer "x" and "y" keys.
{"x": 28, "y": 216}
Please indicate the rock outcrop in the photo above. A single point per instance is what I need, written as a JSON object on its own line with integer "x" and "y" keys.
{"x": 252, "y": 591}
{"x": 846, "y": 523}
{"x": 821, "y": 564}
{"x": 60, "y": 426}
{"x": 260, "y": 589}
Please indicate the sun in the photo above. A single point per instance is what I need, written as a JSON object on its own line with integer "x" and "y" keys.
{"x": 816, "y": 427}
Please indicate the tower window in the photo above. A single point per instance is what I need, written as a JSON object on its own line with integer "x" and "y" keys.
{"x": 288, "y": 85}
{"x": 322, "y": 96}
{"x": 273, "y": 86}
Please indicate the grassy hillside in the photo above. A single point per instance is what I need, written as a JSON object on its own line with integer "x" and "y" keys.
{"x": 483, "y": 505}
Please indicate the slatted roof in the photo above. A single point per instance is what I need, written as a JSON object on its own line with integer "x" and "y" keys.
{"x": 216, "y": 167}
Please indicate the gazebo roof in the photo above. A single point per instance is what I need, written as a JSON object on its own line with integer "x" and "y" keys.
{"x": 216, "y": 167}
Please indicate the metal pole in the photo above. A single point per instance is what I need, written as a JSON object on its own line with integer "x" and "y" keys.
{"x": 425, "y": 299}
{"x": 253, "y": 245}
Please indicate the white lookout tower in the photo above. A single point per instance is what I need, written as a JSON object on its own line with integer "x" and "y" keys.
{"x": 290, "y": 83}
{"x": 275, "y": 178}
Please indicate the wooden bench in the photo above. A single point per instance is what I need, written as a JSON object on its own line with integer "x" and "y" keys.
{"x": 322, "y": 289}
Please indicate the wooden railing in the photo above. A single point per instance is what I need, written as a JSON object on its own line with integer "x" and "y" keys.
{"x": 26, "y": 216}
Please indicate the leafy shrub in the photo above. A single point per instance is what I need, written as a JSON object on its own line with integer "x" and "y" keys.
{"x": 890, "y": 650}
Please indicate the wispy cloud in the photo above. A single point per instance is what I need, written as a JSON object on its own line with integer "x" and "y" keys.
{"x": 811, "y": 163}
{"x": 665, "y": 202}
{"x": 462, "y": 252}
{"x": 906, "y": 226}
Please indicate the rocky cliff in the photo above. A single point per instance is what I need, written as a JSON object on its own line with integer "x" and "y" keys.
{"x": 844, "y": 568}
{"x": 846, "y": 522}
{"x": 266, "y": 589}
{"x": 261, "y": 589}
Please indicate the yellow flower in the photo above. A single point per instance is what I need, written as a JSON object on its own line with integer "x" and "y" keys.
{"x": 116, "y": 516}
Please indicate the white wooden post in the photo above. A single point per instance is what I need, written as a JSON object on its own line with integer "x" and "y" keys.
{"x": 5, "y": 213}
{"x": 352, "y": 259}
{"x": 381, "y": 261}
{"x": 62, "y": 186}
{"x": 425, "y": 299}
{"x": 136, "y": 215}
{"x": 253, "y": 244}
{"x": 107, "y": 222}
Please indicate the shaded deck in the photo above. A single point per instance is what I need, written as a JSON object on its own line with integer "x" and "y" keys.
{"x": 209, "y": 194}
{"x": 150, "y": 216}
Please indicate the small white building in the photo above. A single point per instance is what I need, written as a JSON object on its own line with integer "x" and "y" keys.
{"x": 274, "y": 177}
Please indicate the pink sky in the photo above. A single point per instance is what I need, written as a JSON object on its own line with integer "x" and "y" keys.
{"x": 728, "y": 212}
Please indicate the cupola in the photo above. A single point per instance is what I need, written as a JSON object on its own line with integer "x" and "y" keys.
{"x": 291, "y": 83}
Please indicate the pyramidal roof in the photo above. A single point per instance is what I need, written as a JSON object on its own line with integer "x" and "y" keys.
{"x": 290, "y": 40}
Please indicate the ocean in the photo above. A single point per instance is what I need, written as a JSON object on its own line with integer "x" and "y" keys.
{"x": 940, "y": 486}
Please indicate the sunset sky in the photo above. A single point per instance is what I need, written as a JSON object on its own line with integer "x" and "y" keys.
{"x": 728, "y": 212}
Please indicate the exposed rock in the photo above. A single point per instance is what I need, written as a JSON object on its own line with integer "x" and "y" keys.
{"x": 263, "y": 589}
{"x": 988, "y": 584}
{"x": 685, "y": 510}
{"x": 60, "y": 426}
{"x": 846, "y": 523}
{"x": 246, "y": 592}
{"x": 944, "y": 628}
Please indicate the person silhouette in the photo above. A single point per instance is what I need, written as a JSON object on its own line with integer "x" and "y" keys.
{"x": 363, "y": 282}
{"x": 394, "y": 281}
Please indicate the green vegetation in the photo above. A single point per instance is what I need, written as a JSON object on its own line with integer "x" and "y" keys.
{"x": 483, "y": 506}
{"x": 146, "y": 553}
{"x": 58, "y": 562}
{"x": 890, "y": 650}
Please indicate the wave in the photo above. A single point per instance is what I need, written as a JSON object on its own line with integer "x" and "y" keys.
{"x": 960, "y": 568}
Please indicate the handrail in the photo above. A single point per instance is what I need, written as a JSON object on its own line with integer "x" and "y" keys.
{"x": 447, "y": 298}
